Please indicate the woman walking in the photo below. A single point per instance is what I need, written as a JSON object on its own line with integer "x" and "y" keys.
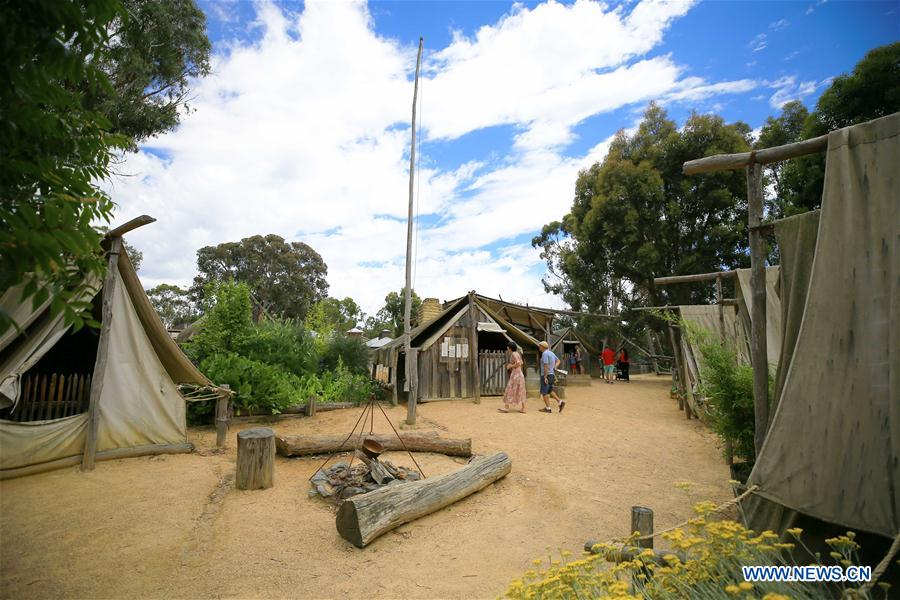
{"x": 514, "y": 396}
{"x": 624, "y": 364}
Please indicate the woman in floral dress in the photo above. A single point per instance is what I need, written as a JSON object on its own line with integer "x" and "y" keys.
{"x": 514, "y": 396}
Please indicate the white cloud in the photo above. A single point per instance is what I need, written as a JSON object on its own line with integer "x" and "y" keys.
{"x": 779, "y": 24}
{"x": 787, "y": 88}
{"x": 758, "y": 42}
{"x": 304, "y": 133}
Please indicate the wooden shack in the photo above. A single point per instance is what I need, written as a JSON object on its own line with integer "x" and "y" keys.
{"x": 564, "y": 343}
{"x": 445, "y": 356}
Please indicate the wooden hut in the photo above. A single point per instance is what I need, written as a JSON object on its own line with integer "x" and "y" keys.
{"x": 563, "y": 344}
{"x": 445, "y": 349}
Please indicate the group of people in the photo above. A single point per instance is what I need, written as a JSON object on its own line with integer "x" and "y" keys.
{"x": 514, "y": 396}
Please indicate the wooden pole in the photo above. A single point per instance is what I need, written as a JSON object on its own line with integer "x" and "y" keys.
{"x": 694, "y": 277}
{"x": 642, "y": 522}
{"x": 474, "y": 371}
{"x": 685, "y": 377}
{"x": 653, "y": 361}
{"x": 93, "y": 420}
{"x": 411, "y": 374}
{"x": 730, "y": 162}
{"x": 222, "y": 403}
{"x": 758, "y": 356}
{"x": 130, "y": 226}
{"x": 676, "y": 368}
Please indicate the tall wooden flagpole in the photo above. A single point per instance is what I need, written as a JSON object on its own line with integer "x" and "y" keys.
{"x": 412, "y": 371}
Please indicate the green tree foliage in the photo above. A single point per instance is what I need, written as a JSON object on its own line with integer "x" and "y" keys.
{"x": 390, "y": 316}
{"x": 636, "y": 217}
{"x": 330, "y": 315}
{"x": 283, "y": 343}
{"x": 778, "y": 131}
{"x": 174, "y": 305}
{"x": 78, "y": 82}
{"x": 53, "y": 149}
{"x": 872, "y": 90}
{"x": 134, "y": 255}
{"x": 345, "y": 350}
{"x": 285, "y": 278}
{"x": 227, "y": 323}
{"x": 153, "y": 51}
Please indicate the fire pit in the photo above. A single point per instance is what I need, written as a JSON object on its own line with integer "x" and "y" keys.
{"x": 342, "y": 480}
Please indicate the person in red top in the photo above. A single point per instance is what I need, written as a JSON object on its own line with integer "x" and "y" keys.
{"x": 608, "y": 356}
{"x": 624, "y": 364}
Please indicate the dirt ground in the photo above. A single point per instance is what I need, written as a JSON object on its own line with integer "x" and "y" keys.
{"x": 172, "y": 526}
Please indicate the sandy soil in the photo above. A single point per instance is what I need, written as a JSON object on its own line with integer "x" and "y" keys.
{"x": 172, "y": 526}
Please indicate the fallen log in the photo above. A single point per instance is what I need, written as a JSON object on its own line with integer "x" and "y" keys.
{"x": 363, "y": 518}
{"x": 415, "y": 441}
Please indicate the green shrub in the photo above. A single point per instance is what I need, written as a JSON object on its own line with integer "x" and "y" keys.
{"x": 259, "y": 386}
{"x": 281, "y": 342}
{"x": 343, "y": 385}
{"x": 227, "y": 324}
{"x": 350, "y": 351}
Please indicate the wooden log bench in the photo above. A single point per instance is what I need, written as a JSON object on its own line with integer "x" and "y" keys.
{"x": 415, "y": 441}
{"x": 363, "y": 518}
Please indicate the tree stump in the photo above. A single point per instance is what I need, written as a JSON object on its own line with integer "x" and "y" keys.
{"x": 255, "y": 459}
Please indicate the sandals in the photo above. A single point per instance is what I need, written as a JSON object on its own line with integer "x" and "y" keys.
{"x": 562, "y": 405}
{"x": 502, "y": 410}
{"x": 545, "y": 410}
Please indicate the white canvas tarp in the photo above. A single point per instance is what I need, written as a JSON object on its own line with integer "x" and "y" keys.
{"x": 773, "y": 310}
{"x": 833, "y": 448}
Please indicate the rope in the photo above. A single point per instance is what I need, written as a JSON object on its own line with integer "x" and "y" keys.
{"x": 882, "y": 566}
{"x": 718, "y": 509}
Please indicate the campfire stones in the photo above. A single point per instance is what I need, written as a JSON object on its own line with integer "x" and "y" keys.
{"x": 341, "y": 481}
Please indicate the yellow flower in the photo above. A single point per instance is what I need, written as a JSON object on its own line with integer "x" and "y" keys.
{"x": 745, "y": 585}
{"x": 774, "y": 596}
{"x": 537, "y": 562}
{"x": 683, "y": 485}
{"x": 796, "y": 531}
{"x": 732, "y": 589}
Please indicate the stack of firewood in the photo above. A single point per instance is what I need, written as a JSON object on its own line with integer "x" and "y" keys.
{"x": 343, "y": 481}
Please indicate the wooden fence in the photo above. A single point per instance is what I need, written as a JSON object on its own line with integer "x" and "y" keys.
{"x": 50, "y": 396}
{"x": 492, "y": 367}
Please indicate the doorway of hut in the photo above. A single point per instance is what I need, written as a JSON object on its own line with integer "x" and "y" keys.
{"x": 58, "y": 385}
{"x": 492, "y": 362}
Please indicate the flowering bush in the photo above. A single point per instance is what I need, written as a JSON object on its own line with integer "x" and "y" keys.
{"x": 704, "y": 563}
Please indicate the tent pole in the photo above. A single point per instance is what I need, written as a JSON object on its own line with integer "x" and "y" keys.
{"x": 758, "y": 357}
{"x": 93, "y": 422}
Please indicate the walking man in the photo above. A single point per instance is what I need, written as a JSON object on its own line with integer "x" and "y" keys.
{"x": 609, "y": 363}
{"x": 549, "y": 363}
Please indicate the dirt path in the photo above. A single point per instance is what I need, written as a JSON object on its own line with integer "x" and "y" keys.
{"x": 173, "y": 526}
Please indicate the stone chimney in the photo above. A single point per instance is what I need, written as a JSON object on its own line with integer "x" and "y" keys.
{"x": 431, "y": 307}
{"x": 385, "y": 333}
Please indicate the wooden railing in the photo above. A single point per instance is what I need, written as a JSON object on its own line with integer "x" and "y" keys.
{"x": 50, "y": 396}
{"x": 492, "y": 367}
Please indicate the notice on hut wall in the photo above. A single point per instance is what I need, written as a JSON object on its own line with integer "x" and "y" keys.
{"x": 445, "y": 348}
{"x": 464, "y": 350}
{"x": 452, "y": 350}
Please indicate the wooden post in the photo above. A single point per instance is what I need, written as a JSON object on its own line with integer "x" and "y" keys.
{"x": 474, "y": 371}
{"x": 642, "y": 522}
{"x": 411, "y": 372}
{"x": 255, "y": 459}
{"x": 685, "y": 376}
{"x": 311, "y": 405}
{"x": 653, "y": 362}
{"x": 676, "y": 368}
{"x": 222, "y": 417}
{"x": 93, "y": 419}
{"x": 758, "y": 356}
{"x": 395, "y": 357}
{"x": 729, "y": 451}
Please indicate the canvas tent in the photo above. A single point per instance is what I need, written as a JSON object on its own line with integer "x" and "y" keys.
{"x": 832, "y": 450}
{"x": 48, "y": 373}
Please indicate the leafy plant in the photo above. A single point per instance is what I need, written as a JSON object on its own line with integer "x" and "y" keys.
{"x": 258, "y": 385}
{"x": 281, "y": 342}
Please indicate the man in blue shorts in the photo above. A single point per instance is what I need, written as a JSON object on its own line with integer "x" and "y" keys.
{"x": 549, "y": 363}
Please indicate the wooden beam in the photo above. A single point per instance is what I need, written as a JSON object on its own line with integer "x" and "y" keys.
{"x": 730, "y": 162}
{"x": 690, "y": 278}
{"x": 130, "y": 226}
{"x": 93, "y": 420}
{"x": 758, "y": 357}
{"x": 474, "y": 372}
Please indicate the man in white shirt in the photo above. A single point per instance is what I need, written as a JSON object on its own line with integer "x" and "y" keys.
{"x": 549, "y": 363}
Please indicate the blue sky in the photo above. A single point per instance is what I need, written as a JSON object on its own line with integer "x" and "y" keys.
{"x": 302, "y": 129}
